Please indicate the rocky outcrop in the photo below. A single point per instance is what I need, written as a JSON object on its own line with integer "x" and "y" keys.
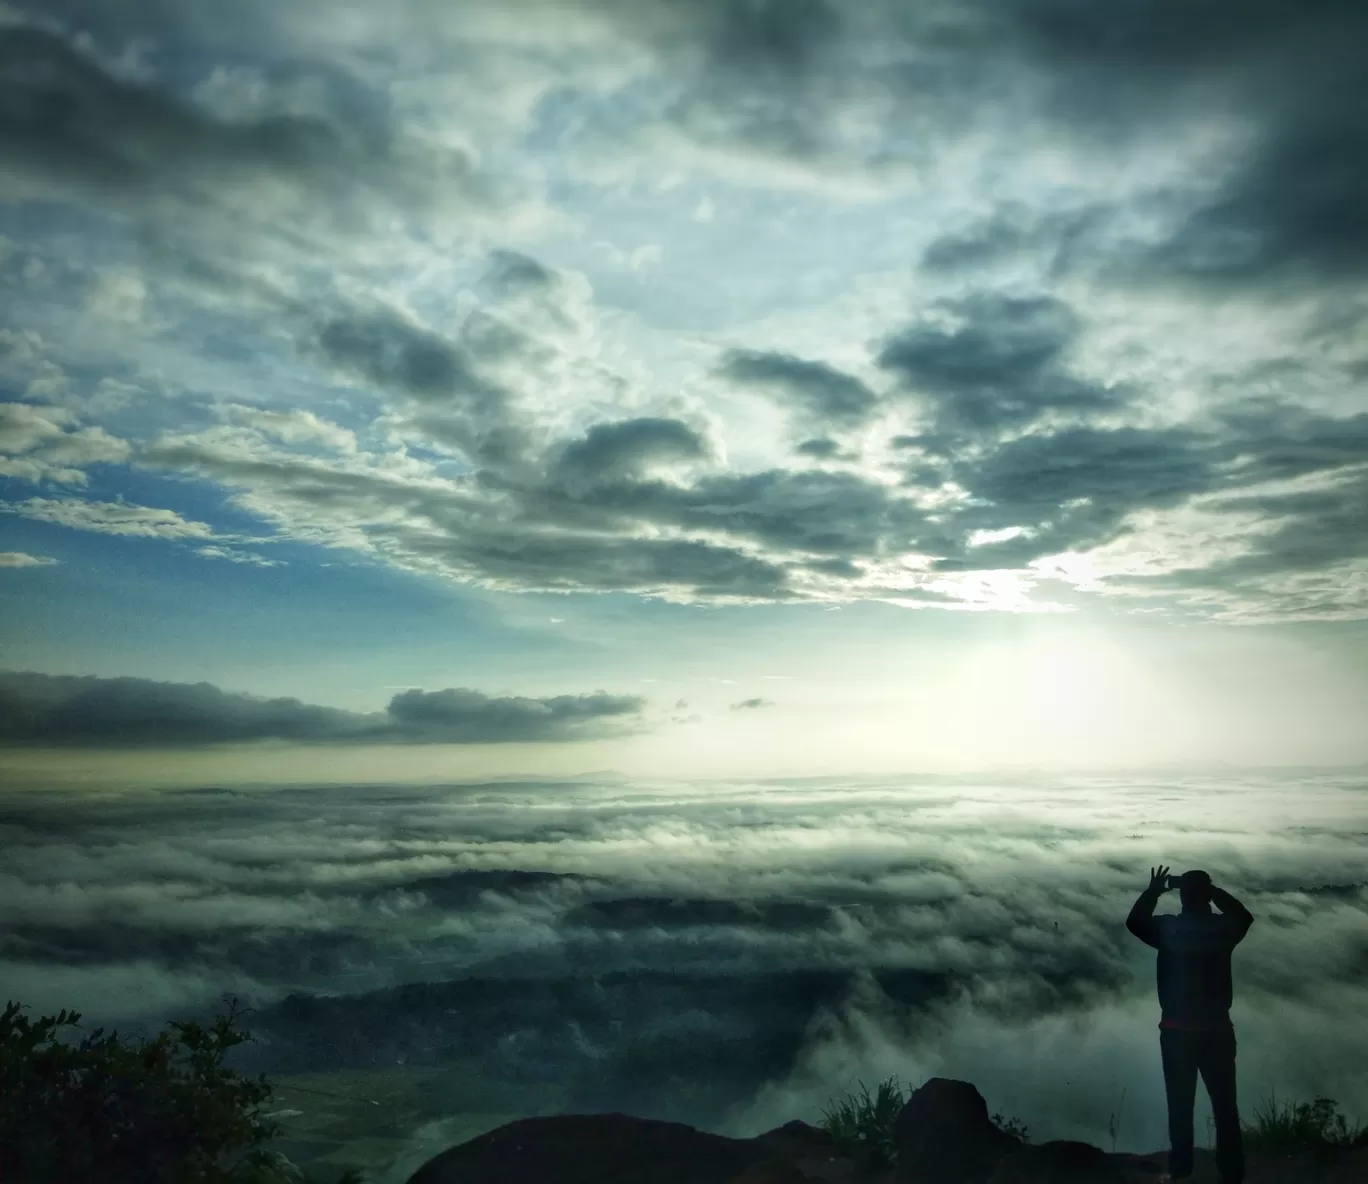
{"x": 798, "y": 1153}
{"x": 592, "y": 1149}
{"x": 944, "y": 1134}
{"x": 1067, "y": 1162}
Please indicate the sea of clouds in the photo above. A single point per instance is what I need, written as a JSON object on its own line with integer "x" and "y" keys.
{"x": 786, "y": 939}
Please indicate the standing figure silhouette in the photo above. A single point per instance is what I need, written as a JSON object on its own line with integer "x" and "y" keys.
{"x": 1195, "y": 1032}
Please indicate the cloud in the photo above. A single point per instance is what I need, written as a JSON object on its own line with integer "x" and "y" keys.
{"x": 1081, "y": 487}
{"x": 990, "y": 362}
{"x": 523, "y": 452}
{"x": 514, "y": 273}
{"x": 1059, "y": 241}
{"x": 21, "y": 559}
{"x": 881, "y": 95}
{"x": 44, "y": 710}
{"x": 821, "y": 391}
{"x": 23, "y": 427}
{"x": 464, "y": 716}
{"x": 751, "y": 704}
{"x": 790, "y": 512}
{"x": 76, "y": 127}
{"x": 676, "y": 568}
{"x": 41, "y": 443}
{"x": 790, "y": 937}
{"x": 244, "y": 557}
{"x": 290, "y": 427}
{"x": 398, "y": 354}
{"x": 460, "y": 405}
{"x": 639, "y": 504}
{"x": 119, "y": 518}
{"x": 822, "y": 448}
{"x": 624, "y": 450}
{"x": 1289, "y": 188}
{"x": 709, "y": 541}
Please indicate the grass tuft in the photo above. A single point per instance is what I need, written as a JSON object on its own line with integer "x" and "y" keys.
{"x": 1301, "y": 1126}
{"x": 864, "y": 1122}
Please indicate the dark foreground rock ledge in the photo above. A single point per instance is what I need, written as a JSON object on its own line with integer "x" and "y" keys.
{"x": 944, "y": 1136}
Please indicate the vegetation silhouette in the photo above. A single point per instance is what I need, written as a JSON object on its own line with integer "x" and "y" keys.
{"x": 159, "y": 1111}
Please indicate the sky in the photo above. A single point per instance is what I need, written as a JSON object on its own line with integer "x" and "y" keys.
{"x": 723, "y": 388}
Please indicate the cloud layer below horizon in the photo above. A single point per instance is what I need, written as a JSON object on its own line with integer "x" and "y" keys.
{"x": 964, "y": 927}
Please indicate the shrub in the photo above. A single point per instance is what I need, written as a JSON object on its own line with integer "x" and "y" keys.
{"x": 1299, "y": 1126}
{"x": 1012, "y": 1126}
{"x": 162, "y": 1111}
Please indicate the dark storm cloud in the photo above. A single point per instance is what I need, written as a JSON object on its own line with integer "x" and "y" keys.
{"x": 594, "y": 512}
{"x": 1121, "y": 468}
{"x": 66, "y": 119}
{"x": 1279, "y": 440}
{"x": 459, "y": 406}
{"x": 399, "y": 355}
{"x": 512, "y": 271}
{"x": 1295, "y": 205}
{"x": 465, "y": 716}
{"x": 1300, "y": 211}
{"x": 783, "y": 510}
{"x": 558, "y": 560}
{"x": 1317, "y": 533}
{"x": 821, "y": 448}
{"x": 53, "y": 709}
{"x": 42, "y": 709}
{"x": 1059, "y": 240}
{"x": 991, "y": 362}
{"x": 772, "y": 79}
{"x": 814, "y": 387}
{"x": 491, "y": 529}
{"x": 754, "y": 74}
{"x": 609, "y": 453}
{"x": 1315, "y": 530}
{"x": 1075, "y": 488}
{"x": 784, "y": 36}
{"x": 777, "y": 79}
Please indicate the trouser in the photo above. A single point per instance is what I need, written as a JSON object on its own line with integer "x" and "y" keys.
{"x": 1212, "y": 1054}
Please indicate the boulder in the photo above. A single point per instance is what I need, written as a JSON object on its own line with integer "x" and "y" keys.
{"x": 593, "y": 1149}
{"x": 944, "y": 1136}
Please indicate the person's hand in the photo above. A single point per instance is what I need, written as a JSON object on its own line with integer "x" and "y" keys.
{"x": 1159, "y": 879}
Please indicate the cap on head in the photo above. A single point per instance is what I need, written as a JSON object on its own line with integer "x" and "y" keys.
{"x": 1195, "y": 888}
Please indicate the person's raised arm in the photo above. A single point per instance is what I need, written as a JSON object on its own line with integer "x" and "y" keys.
{"x": 1141, "y": 919}
{"x": 1241, "y": 918}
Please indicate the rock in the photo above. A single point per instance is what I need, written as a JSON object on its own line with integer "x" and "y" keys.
{"x": 802, "y": 1154}
{"x": 1344, "y": 1165}
{"x": 593, "y": 1149}
{"x": 1067, "y": 1162}
{"x": 944, "y": 1136}
{"x": 798, "y": 1136}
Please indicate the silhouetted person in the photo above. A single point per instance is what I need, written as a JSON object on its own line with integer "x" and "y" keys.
{"x": 1195, "y": 1033}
